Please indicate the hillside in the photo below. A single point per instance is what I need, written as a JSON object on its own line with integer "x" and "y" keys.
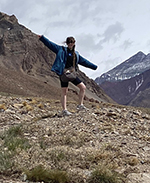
{"x": 26, "y": 63}
{"x": 108, "y": 141}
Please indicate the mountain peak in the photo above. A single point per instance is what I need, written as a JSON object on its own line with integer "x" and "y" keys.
{"x": 133, "y": 66}
{"x": 5, "y": 17}
{"x": 140, "y": 52}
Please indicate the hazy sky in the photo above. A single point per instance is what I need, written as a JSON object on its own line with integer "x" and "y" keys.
{"x": 107, "y": 32}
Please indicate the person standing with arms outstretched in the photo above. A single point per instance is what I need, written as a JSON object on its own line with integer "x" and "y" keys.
{"x": 65, "y": 56}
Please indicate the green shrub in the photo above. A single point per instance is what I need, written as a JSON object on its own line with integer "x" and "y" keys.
{"x": 39, "y": 173}
{"x": 5, "y": 161}
{"x": 105, "y": 175}
{"x": 13, "y": 139}
{"x": 15, "y": 143}
{"x": 14, "y": 131}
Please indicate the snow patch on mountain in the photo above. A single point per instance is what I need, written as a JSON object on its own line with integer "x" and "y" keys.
{"x": 139, "y": 83}
{"x": 133, "y": 88}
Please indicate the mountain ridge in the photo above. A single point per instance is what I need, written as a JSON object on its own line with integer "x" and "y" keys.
{"x": 23, "y": 53}
{"x": 126, "y": 83}
{"x": 131, "y": 67}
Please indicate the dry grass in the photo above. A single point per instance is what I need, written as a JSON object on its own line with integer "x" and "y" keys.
{"x": 29, "y": 107}
{"x": 133, "y": 161}
{"x": 40, "y": 174}
{"x": 41, "y": 106}
{"x": 3, "y": 106}
{"x": 105, "y": 174}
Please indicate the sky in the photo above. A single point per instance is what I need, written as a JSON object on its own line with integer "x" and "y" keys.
{"x": 107, "y": 32}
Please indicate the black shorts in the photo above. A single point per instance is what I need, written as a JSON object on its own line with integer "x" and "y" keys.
{"x": 75, "y": 82}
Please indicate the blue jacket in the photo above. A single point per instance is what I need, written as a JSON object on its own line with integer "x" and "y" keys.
{"x": 61, "y": 57}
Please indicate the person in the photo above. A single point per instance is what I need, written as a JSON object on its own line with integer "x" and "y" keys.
{"x": 64, "y": 59}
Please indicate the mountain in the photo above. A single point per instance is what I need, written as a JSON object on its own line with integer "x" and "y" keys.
{"x": 133, "y": 66}
{"x": 129, "y": 92}
{"x": 25, "y": 65}
{"x": 129, "y": 82}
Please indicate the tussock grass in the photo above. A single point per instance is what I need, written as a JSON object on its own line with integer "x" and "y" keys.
{"x": 14, "y": 131}
{"x": 29, "y": 107}
{"x": 41, "y": 106}
{"x": 105, "y": 174}
{"x": 75, "y": 140}
{"x": 3, "y": 106}
{"x": 132, "y": 161}
{"x": 24, "y": 103}
{"x": 13, "y": 139}
{"x": 99, "y": 156}
{"x": 39, "y": 174}
{"x": 5, "y": 161}
{"x": 15, "y": 143}
{"x": 58, "y": 155}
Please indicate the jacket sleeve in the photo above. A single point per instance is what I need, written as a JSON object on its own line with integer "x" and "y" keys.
{"x": 84, "y": 62}
{"x": 52, "y": 46}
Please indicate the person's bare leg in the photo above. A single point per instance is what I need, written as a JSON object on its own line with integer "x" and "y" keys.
{"x": 64, "y": 91}
{"x": 82, "y": 88}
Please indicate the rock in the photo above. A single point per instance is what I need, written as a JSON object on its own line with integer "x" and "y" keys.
{"x": 139, "y": 178}
{"x": 18, "y": 106}
{"x": 146, "y": 148}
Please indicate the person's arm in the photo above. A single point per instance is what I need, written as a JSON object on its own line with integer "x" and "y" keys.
{"x": 84, "y": 62}
{"x": 52, "y": 46}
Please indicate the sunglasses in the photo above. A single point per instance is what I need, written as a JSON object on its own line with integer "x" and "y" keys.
{"x": 70, "y": 41}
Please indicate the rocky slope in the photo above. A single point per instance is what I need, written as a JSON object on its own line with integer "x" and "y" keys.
{"x": 107, "y": 137}
{"x": 25, "y": 65}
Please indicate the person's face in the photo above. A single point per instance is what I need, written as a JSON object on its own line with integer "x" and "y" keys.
{"x": 70, "y": 44}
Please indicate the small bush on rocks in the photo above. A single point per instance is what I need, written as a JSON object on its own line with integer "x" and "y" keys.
{"x": 133, "y": 161}
{"x": 13, "y": 139}
{"x": 5, "y": 161}
{"x": 105, "y": 175}
{"x": 39, "y": 173}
